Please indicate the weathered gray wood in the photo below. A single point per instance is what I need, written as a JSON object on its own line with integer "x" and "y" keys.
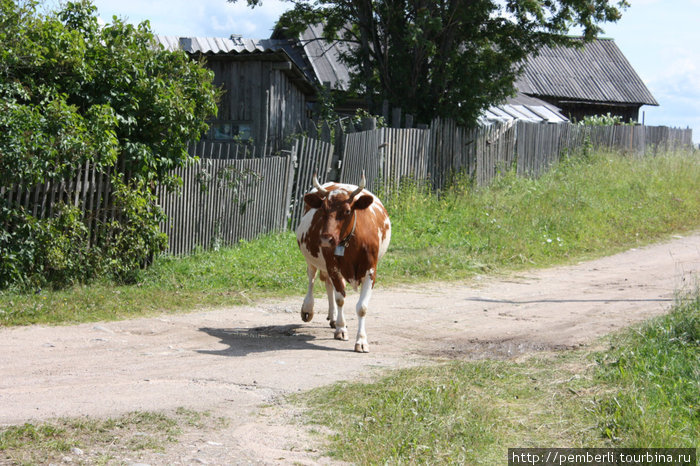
{"x": 242, "y": 206}
{"x": 369, "y": 123}
{"x": 396, "y": 117}
{"x": 313, "y": 157}
{"x": 223, "y": 215}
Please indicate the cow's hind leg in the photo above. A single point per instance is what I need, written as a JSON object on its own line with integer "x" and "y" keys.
{"x": 361, "y": 343}
{"x": 332, "y": 309}
{"x": 307, "y": 308}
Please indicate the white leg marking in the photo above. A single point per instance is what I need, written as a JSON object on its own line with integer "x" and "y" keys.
{"x": 332, "y": 309}
{"x": 307, "y": 309}
{"x": 341, "y": 332}
{"x": 361, "y": 343}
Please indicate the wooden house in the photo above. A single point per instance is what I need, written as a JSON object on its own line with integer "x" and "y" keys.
{"x": 265, "y": 90}
{"x": 594, "y": 79}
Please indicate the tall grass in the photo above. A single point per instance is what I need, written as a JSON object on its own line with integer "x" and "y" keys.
{"x": 583, "y": 207}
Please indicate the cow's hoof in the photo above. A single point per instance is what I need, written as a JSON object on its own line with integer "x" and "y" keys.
{"x": 307, "y": 316}
{"x": 341, "y": 334}
{"x": 332, "y": 323}
{"x": 361, "y": 348}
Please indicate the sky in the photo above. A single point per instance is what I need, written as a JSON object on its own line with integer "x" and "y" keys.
{"x": 658, "y": 37}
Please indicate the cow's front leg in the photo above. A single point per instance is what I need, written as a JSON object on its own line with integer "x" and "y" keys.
{"x": 332, "y": 308}
{"x": 341, "y": 332}
{"x": 307, "y": 308}
{"x": 361, "y": 343}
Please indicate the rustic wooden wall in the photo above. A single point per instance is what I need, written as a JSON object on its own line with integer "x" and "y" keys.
{"x": 259, "y": 92}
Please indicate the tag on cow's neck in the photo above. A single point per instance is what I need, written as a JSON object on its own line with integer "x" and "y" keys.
{"x": 340, "y": 251}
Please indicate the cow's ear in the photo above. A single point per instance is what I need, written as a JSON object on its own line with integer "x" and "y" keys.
{"x": 363, "y": 202}
{"x": 313, "y": 200}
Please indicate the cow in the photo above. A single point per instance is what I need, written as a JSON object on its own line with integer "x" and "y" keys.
{"x": 344, "y": 232}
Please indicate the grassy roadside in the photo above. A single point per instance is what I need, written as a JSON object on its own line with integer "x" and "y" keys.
{"x": 583, "y": 208}
{"x": 99, "y": 441}
{"x": 641, "y": 390}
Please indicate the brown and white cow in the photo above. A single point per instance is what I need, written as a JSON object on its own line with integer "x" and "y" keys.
{"x": 344, "y": 232}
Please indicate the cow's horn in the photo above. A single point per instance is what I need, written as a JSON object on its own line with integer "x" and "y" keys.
{"x": 318, "y": 186}
{"x": 359, "y": 189}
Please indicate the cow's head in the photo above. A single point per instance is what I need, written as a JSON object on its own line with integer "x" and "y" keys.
{"x": 337, "y": 210}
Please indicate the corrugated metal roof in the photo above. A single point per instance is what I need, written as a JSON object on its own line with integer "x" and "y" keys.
{"x": 325, "y": 58}
{"x": 597, "y": 72}
{"x": 522, "y": 107}
{"x": 219, "y": 45}
{"x": 239, "y": 46}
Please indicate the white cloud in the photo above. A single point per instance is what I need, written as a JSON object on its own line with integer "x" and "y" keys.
{"x": 204, "y": 18}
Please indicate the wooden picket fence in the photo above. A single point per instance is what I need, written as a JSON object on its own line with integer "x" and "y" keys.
{"x": 312, "y": 156}
{"x": 205, "y": 149}
{"x": 87, "y": 187}
{"x": 388, "y": 155}
{"x": 223, "y": 201}
{"x": 234, "y": 193}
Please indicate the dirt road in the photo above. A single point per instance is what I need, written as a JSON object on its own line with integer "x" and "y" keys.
{"x": 231, "y": 361}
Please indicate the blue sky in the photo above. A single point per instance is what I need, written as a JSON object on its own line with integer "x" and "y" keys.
{"x": 658, "y": 37}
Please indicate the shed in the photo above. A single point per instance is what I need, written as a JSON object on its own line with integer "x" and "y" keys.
{"x": 265, "y": 90}
{"x": 594, "y": 79}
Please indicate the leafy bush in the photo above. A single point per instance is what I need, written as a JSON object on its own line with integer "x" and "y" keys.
{"x": 59, "y": 251}
{"x": 604, "y": 120}
{"x": 74, "y": 93}
{"x": 136, "y": 239}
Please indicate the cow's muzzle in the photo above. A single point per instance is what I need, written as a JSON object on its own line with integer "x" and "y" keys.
{"x": 327, "y": 241}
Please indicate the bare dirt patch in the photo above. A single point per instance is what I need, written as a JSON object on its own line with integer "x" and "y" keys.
{"x": 239, "y": 362}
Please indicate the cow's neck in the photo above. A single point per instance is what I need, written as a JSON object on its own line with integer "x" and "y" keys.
{"x": 344, "y": 241}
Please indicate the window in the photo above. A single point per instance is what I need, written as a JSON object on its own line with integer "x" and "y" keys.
{"x": 230, "y": 131}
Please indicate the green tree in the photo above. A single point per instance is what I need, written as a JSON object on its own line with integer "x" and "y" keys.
{"x": 72, "y": 92}
{"x": 449, "y": 58}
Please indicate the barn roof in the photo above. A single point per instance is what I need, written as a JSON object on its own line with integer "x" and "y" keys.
{"x": 324, "y": 58}
{"x": 241, "y": 47}
{"x": 220, "y": 45}
{"x": 595, "y": 72}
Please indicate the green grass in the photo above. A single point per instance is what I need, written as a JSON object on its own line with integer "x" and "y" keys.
{"x": 583, "y": 208}
{"x": 102, "y": 441}
{"x": 642, "y": 391}
{"x": 655, "y": 375}
{"x": 268, "y": 266}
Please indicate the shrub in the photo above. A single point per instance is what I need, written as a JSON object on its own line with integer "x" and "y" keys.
{"x": 73, "y": 94}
